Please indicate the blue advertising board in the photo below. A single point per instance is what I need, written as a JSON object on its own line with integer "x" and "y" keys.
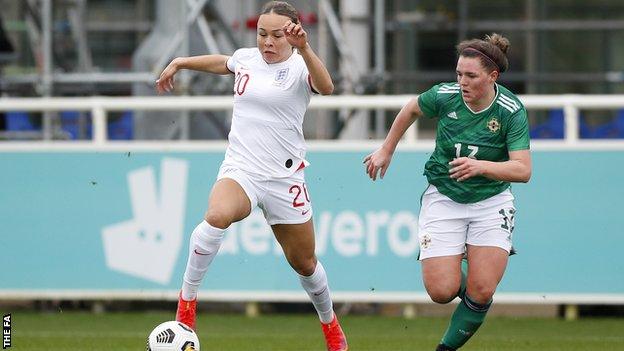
{"x": 111, "y": 220}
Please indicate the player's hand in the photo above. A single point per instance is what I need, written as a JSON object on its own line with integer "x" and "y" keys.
{"x": 165, "y": 82}
{"x": 295, "y": 35}
{"x": 464, "y": 168}
{"x": 377, "y": 161}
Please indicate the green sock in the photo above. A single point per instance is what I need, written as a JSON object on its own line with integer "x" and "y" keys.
{"x": 464, "y": 275}
{"x": 465, "y": 321}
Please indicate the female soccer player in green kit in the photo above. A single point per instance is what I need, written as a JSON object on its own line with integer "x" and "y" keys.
{"x": 482, "y": 144}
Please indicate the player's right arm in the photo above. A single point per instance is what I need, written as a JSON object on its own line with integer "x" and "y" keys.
{"x": 380, "y": 159}
{"x": 205, "y": 63}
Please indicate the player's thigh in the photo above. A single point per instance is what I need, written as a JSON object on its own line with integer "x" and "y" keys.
{"x": 228, "y": 201}
{"x": 442, "y": 277}
{"x": 287, "y": 208}
{"x": 486, "y": 267}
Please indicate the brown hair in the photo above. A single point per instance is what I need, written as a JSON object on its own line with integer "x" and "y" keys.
{"x": 492, "y": 51}
{"x": 281, "y": 8}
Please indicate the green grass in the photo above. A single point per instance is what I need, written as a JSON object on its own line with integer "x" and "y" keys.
{"x": 128, "y": 331}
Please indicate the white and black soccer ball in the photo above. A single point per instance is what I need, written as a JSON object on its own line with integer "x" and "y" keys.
{"x": 172, "y": 336}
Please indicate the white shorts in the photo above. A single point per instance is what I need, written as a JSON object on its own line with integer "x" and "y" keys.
{"x": 445, "y": 227}
{"x": 282, "y": 200}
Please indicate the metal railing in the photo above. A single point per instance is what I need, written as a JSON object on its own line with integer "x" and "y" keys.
{"x": 100, "y": 106}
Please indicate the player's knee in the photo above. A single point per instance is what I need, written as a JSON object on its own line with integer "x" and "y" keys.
{"x": 218, "y": 219}
{"x": 303, "y": 266}
{"x": 442, "y": 298}
{"x": 442, "y": 294}
{"x": 480, "y": 292}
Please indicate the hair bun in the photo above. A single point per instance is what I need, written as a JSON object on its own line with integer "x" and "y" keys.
{"x": 499, "y": 41}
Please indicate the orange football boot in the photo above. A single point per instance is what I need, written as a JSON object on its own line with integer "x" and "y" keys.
{"x": 186, "y": 311}
{"x": 334, "y": 336}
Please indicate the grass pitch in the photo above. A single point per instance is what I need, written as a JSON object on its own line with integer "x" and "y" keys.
{"x": 128, "y": 331}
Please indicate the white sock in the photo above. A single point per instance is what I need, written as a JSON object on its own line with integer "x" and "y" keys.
{"x": 204, "y": 245}
{"x": 317, "y": 288}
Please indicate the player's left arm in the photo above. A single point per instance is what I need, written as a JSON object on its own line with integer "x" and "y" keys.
{"x": 516, "y": 169}
{"x": 319, "y": 76}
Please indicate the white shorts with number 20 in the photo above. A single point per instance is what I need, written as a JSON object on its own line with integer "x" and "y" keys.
{"x": 282, "y": 200}
{"x": 446, "y": 226}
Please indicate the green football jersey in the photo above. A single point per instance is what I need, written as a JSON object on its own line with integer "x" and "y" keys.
{"x": 487, "y": 135}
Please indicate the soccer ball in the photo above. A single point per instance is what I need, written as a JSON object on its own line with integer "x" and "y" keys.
{"x": 172, "y": 336}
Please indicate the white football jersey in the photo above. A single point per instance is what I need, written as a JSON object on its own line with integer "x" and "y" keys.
{"x": 270, "y": 101}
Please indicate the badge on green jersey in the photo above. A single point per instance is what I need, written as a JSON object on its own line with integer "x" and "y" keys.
{"x": 493, "y": 125}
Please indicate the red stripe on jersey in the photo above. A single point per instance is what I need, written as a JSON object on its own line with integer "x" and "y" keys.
{"x": 310, "y": 83}
{"x": 301, "y": 166}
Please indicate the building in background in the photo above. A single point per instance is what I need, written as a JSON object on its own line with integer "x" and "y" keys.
{"x": 117, "y": 47}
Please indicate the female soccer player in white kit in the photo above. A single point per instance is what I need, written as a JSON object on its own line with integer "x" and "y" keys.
{"x": 265, "y": 160}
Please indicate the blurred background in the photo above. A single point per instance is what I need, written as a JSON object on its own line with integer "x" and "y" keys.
{"x": 119, "y": 47}
{"x": 103, "y": 181}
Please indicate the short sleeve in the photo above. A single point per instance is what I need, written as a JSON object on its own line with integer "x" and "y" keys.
{"x": 307, "y": 79}
{"x": 232, "y": 61}
{"x": 518, "y": 131}
{"x": 427, "y": 102}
